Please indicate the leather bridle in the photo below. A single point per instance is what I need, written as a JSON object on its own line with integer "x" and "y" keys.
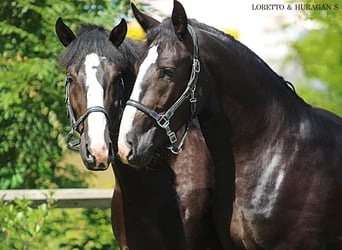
{"x": 75, "y": 143}
{"x": 163, "y": 120}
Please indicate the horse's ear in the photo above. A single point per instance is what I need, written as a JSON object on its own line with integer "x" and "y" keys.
{"x": 118, "y": 33}
{"x": 179, "y": 20}
{"x": 145, "y": 21}
{"x": 64, "y": 33}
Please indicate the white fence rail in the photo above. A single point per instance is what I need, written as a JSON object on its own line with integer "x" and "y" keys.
{"x": 64, "y": 198}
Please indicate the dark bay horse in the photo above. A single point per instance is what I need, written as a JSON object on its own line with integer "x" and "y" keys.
{"x": 164, "y": 206}
{"x": 287, "y": 154}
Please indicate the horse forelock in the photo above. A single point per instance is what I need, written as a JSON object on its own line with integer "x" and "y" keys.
{"x": 163, "y": 33}
{"x": 95, "y": 39}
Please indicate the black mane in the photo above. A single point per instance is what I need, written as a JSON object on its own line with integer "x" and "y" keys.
{"x": 230, "y": 39}
{"x": 165, "y": 29}
{"x": 95, "y": 39}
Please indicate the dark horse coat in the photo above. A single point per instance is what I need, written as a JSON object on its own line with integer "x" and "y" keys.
{"x": 287, "y": 154}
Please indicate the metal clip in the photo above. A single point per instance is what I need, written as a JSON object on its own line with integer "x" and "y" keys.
{"x": 175, "y": 150}
{"x": 193, "y": 102}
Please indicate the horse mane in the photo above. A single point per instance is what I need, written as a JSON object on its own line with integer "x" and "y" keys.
{"x": 95, "y": 39}
{"x": 165, "y": 28}
{"x": 230, "y": 39}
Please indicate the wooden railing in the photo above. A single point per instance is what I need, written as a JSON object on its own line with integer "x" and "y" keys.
{"x": 64, "y": 198}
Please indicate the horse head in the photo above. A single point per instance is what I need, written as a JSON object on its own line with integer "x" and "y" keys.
{"x": 94, "y": 88}
{"x": 164, "y": 96}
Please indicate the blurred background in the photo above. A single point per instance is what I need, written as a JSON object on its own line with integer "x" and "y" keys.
{"x": 302, "y": 45}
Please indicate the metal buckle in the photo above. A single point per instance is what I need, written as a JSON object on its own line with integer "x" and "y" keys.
{"x": 163, "y": 122}
{"x": 196, "y": 65}
{"x": 193, "y": 98}
{"x": 172, "y": 136}
{"x": 73, "y": 145}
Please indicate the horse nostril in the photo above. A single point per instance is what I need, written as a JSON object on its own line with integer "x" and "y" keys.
{"x": 130, "y": 154}
{"x": 129, "y": 140}
{"x": 125, "y": 147}
{"x": 89, "y": 156}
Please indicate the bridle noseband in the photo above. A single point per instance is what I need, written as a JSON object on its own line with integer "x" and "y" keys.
{"x": 74, "y": 144}
{"x": 163, "y": 120}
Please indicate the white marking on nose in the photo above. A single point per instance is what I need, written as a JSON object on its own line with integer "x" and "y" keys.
{"x": 129, "y": 111}
{"x": 95, "y": 97}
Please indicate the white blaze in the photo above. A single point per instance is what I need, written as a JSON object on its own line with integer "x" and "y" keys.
{"x": 129, "y": 111}
{"x": 96, "y": 120}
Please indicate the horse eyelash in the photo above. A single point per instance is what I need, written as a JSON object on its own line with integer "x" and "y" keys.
{"x": 69, "y": 79}
{"x": 167, "y": 72}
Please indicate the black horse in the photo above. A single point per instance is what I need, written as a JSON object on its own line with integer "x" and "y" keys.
{"x": 287, "y": 154}
{"x": 168, "y": 204}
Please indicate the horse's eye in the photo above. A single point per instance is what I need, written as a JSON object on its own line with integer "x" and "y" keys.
{"x": 68, "y": 80}
{"x": 167, "y": 73}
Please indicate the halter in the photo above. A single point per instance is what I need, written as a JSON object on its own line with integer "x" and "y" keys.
{"x": 163, "y": 120}
{"x": 74, "y": 144}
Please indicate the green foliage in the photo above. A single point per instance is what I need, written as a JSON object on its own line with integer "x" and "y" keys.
{"x": 21, "y": 226}
{"x": 320, "y": 52}
{"x": 33, "y": 124}
{"x": 33, "y": 117}
{"x": 46, "y": 227}
{"x": 94, "y": 233}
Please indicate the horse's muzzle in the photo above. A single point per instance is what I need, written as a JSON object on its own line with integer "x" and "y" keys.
{"x": 96, "y": 157}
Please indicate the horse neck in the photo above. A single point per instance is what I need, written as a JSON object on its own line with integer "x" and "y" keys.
{"x": 252, "y": 97}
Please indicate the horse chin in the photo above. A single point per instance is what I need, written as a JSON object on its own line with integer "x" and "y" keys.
{"x": 139, "y": 161}
{"x": 141, "y": 156}
{"x": 143, "y": 152}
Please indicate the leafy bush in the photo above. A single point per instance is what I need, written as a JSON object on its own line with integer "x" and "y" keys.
{"x": 319, "y": 50}
{"x": 22, "y": 227}
{"x": 33, "y": 124}
{"x": 46, "y": 227}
